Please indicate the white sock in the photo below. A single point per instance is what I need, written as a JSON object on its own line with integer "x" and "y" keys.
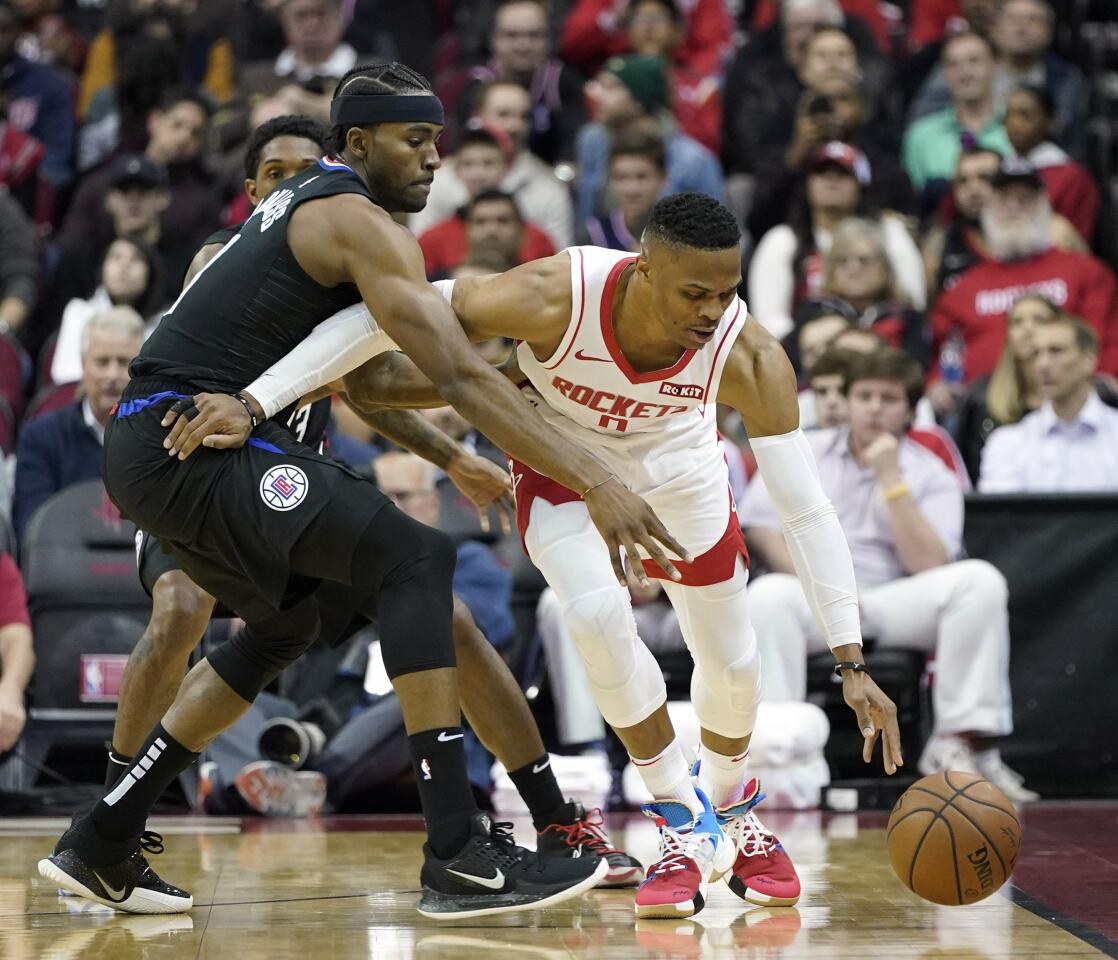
{"x": 722, "y": 778}
{"x": 668, "y": 778}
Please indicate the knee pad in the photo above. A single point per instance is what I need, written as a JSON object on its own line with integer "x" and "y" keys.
{"x": 249, "y": 661}
{"x": 726, "y": 700}
{"x": 624, "y": 677}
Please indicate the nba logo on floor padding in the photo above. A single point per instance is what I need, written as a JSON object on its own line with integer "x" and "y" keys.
{"x": 283, "y": 487}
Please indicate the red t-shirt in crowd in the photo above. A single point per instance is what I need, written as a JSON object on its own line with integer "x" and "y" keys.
{"x": 13, "y": 599}
{"x": 444, "y": 245}
{"x": 976, "y": 306}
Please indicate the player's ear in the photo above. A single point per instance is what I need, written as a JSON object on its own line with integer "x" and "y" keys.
{"x": 250, "y": 190}
{"x": 357, "y": 141}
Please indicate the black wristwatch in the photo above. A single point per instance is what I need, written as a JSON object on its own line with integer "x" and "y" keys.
{"x": 850, "y": 665}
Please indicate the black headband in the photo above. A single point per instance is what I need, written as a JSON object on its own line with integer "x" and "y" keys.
{"x": 358, "y": 111}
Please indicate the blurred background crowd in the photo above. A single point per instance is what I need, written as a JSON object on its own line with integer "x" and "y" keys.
{"x": 932, "y": 177}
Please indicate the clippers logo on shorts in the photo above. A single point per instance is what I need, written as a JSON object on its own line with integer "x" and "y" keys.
{"x": 283, "y": 487}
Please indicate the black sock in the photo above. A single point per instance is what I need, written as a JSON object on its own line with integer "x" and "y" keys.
{"x": 444, "y": 788}
{"x": 121, "y": 814}
{"x": 535, "y": 782}
{"x": 117, "y": 764}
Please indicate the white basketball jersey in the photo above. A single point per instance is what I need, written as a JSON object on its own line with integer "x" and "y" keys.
{"x": 652, "y": 429}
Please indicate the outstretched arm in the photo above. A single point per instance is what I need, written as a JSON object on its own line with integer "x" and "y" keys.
{"x": 759, "y": 383}
{"x": 483, "y": 482}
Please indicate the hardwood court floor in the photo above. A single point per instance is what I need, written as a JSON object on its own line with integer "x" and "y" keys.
{"x": 342, "y": 889}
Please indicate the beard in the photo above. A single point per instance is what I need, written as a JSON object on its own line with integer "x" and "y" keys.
{"x": 1018, "y": 240}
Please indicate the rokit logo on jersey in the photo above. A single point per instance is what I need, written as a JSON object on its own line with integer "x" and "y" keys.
{"x": 688, "y": 391}
{"x": 273, "y": 207}
{"x": 616, "y": 410}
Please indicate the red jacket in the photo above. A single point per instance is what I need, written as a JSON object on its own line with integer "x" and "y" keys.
{"x": 697, "y": 106}
{"x": 595, "y": 31}
{"x": 976, "y": 306}
{"x": 444, "y": 245}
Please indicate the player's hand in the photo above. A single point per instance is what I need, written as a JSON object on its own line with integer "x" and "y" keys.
{"x": 12, "y": 719}
{"x": 877, "y": 716}
{"x": 487, "y": 485}
{"x": 625, "y": 520}
{"x": 208, "y": 419}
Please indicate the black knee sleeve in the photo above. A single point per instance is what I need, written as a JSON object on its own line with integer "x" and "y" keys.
{"x": 249, "y": 661}
{"x": 413, "y": 595}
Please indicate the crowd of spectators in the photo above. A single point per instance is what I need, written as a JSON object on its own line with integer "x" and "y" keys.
{"x": 915, "y": 176}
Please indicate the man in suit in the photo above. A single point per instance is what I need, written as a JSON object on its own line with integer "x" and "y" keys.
{"x": 64, "y": 447}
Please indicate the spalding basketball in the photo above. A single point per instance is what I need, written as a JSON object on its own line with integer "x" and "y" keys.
{"x": 953, "y": 838}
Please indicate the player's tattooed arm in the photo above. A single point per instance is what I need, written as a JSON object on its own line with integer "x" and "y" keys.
{"x": 483, "y": 482}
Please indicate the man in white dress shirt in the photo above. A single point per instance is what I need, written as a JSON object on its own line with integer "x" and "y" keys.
{"x": 901, "y": 509}
{"x": 1069, "y": 445}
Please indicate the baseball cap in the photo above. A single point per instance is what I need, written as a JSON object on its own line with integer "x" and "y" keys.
{"x": 645, "y": 76}
{"x": 1017, "y": 170}
{"x": 839, "y": 154}
{"x": 135, "y": 169}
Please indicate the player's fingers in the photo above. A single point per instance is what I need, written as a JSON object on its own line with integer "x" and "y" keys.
{"x": 190, "y": 436}
{"x": 892, "y": 745}
{"x": 483, "y": 518}
{"x": 181, "y": 423}
{"x": 636, "y": 567}
{"x": 174, "y": 410}
{"x": 656, "y": 552}
{"x": 660, "y": 532}
{"x": 613, "y": 543}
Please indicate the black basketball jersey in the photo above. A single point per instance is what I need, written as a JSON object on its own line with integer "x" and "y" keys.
{"x": 252, "y": 303}
{"x": 307, "y": 422}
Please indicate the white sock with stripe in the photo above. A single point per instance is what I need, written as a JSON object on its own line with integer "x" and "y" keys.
{"x": 668, "y": 778}
{"x": 722, "y": 778}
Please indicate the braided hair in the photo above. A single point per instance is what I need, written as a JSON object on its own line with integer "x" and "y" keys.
{"x": 372, "y": 80}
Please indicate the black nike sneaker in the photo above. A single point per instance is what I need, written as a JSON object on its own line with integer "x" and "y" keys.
{"x": 491, "y": 874}
{"x": 128, "y": 885}
{"x": 578, "y": 833}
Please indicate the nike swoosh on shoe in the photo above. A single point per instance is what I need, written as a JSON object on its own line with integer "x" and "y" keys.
{"x": 490, "y": 883}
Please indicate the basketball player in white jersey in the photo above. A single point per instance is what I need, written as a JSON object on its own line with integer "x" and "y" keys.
{"x": 629, "y": 356}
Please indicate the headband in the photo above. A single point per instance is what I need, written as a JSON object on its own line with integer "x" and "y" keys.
{"x": 358, "y": 111}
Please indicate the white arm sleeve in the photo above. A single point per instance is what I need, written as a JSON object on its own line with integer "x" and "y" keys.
{"x": 818, "y": 546}
{"x": 445, "y": 287}
{"x": 337, "y": 345}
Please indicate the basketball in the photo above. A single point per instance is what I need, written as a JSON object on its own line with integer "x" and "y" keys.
{"x": 953, "y": 838}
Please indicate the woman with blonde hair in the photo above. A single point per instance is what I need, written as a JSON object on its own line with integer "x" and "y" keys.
{"x": 1007, "y": 394}
{"x": 860, "y": 284}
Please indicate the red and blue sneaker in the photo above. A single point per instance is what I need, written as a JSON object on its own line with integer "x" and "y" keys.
{"x": 694, "y": 851}
{"x": 763, "y": 872}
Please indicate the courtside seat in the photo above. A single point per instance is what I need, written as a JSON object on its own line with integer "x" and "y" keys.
{"x": 88, "y": 609}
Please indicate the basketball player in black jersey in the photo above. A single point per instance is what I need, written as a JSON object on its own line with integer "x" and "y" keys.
{"x": 259, "y": 526}
{"x": 181, "y": 610}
